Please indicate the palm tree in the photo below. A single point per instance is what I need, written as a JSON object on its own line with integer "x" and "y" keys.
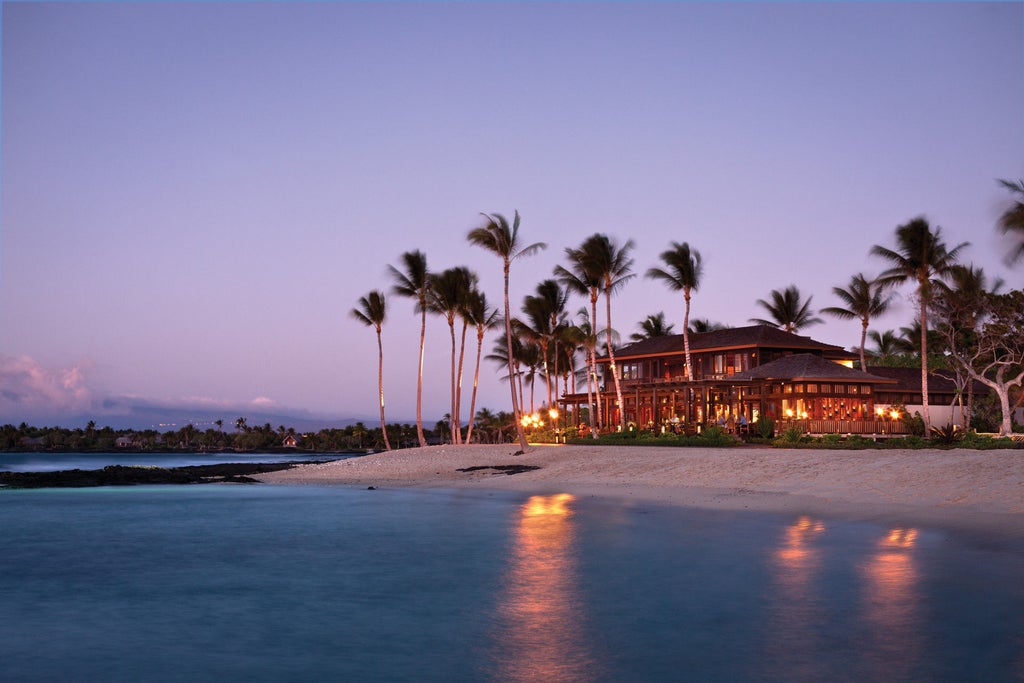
{"x": 483, "y": 318}
{"x": 701, "y": 325}
{"x": 448, "y": 292}
{"x": 544, "y": 311}
{"x": 579, "y": 278}
{"x": 413, "y": 283}
{"x": 887, "y": 345}
{"x": 502, "y": 239}
{"x": 682, "y": 273}
{"x": 371, "y": 312}
{"x": 652, "y": 326}
{"x": 787, "y": 310}
{"x": 1012, "y": 220}
{"x": 922, "y": 257}
{"x": 865, "y": 299}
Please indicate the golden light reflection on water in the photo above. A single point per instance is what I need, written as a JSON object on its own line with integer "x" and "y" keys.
{"x": 795, "y": 606}
{"x": 540, "y": 609}
{"x": 892, "y": 600}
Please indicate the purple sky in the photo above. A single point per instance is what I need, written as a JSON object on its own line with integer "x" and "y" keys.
{"x": 195, "y": 195}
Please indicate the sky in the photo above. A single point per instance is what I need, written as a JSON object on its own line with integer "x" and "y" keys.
{"x": 195, "y": 195}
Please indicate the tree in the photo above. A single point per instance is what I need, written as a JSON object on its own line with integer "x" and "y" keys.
{"x": 544, "y": 310}
{"x": 987, "y": 343}
{"x": 652, "y": 326}
{"x": 483, "y": 318}
{"x": 921, "y": 257}
{"x": 864, "y": 299}
{"x": 787, "y": 310}
{"x": 700, "y": 325}
{"x": 1012, "y": 220}
{"x": 502, "y": 240}
{"x": 682, "y": 273}
{"x": 580, "y": 278}
{"x": 447, "y": 297}
{"x": 371, "y": 311}
{"x": 612, "y": 266}
{"x": 413, "y": 283}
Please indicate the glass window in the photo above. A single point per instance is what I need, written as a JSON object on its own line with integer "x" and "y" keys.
{"x": 853, "y": 389}
{"x": 787, "y": 388}
{"x": 812, "y": 388}
{"x": 826, "y": 388}
{"x": 799, "y": 388}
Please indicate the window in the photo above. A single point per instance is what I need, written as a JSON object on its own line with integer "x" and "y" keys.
{"x": 799, "y": 388}
{"x": 826, "y": 388}
{"x": 787, "y": 388}
{"x": 853, "y": 389}
{"x": 812, "y": 388}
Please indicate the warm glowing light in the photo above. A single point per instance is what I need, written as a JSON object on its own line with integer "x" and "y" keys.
{"x": 895, "y": 414}
{"x": 879, "y": 411}
{"x": 553, "y": 413}
{"x": 901, "y": 538}
{"x": 804, "y": 415}
{"x": 789, "y": 412}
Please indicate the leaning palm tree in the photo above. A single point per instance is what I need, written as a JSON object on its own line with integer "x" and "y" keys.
{"x": 787, "y": 310}
{"x": 371, "y": 312}
{"x": 483, "y": 318}
{"x": 1012, "y": 220}
{"x": 448, "y": 292}
{"x": 502, "y": 240}
{"x": 922, "y": 257}
{"x": 652, "y": 326}
{"x": 414, "y": 283}
{"x": 682, "y": 273}
{"x": 613, "y": 266}
{"x": 865, "y": 299}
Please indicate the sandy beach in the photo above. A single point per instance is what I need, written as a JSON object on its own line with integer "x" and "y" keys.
{"x": 965, "y": 489}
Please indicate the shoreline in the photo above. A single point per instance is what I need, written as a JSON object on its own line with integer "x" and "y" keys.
{"x": 957, "y": 490}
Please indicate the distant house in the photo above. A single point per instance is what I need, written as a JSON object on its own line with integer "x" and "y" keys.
{"x": 290, "y": 441}
{"x": 127, "y": 441}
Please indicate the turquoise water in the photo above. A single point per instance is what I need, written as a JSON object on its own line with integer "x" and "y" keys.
{"x": 274, "y": 583}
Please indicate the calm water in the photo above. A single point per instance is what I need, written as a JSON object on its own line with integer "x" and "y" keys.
{"x": 53, "y": 462}
{"x": 273, "y": 583}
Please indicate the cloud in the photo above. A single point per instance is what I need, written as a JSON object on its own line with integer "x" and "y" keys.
{"x": 29, "y": 390}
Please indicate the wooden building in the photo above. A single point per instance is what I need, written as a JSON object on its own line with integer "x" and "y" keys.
{"x": 739, "y": 375}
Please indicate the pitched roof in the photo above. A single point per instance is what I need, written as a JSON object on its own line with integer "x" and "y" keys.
{"x": 762, "y": 336}
{"x": 807, "y": 366}
{"x": 908, "y": 381}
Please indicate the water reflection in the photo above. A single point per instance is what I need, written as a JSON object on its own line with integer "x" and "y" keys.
{"x": 795, "y": 604}
{"x": 540, "y": 612}
{"x": 892, "y": 603}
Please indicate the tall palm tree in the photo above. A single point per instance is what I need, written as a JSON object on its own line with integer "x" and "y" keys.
{"x": 448, "y": 292}
{"x": 887, "y": 345}
{"x": 921, "y": 257}
{"x": 1012, "y": 220}
{"x": 787, "y": 310}
{"x": 614, "y": 266}
{"x": 581, "y": 279}
{"x": 865, "y": 299}
{"x": 543, "y": 312}
{"x": 502, "y": 240}
{"x": 371, "y": 311}
{"x": 483, "y": 318}
{"x": 652, "y": 326}
{"x": 682, "y": 273}
{"x": 414, "y": 283}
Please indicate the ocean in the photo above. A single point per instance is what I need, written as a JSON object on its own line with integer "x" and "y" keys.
{"x": 308, "y": 583}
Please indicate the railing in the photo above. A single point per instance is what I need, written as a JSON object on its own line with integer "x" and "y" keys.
{"x": 845, "y": 426}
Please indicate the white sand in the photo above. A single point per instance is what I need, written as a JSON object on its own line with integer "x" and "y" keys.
{"x": 961, "y": 488}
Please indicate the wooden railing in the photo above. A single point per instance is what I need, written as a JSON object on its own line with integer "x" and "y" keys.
{"x": 845, "y": 426}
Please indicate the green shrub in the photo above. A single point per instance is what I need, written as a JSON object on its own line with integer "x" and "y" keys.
{"x": 947, "y": 435}
{"x": 791, "y": 437}
{"x": 715, "y": 436}
{"x": 765, "y": 428}
{"x": 858, "y": 441}
{"x": 831, "y": 439}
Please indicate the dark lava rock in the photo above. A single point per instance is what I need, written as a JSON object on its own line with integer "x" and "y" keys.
{"x": 505, "y": 469}
{"x": 121, "y": 475}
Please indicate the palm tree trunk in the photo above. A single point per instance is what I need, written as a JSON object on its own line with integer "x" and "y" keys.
{"x": 863, "y": 340}
{"x": 611, "y": 361}
{"x": 458, "y": 392}
{"x": 451, "y": 413}
{"x": 590, "y": 398}
{"x": 593, "y": 360}
{"x": 511, "y": 375}
{"x": 924, "y": 365}
{"x": 686, "y": 337}
{"x": 476, "y": 380}
{"x": 419, "y": 382}
{"x": 380, "y": 388}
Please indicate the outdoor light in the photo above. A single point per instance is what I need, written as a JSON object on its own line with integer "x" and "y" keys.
{"x": 804, "y": 415}
{"x": 789, "y": 412}
{"x": 895, "y": 414}
{"x": 879, "y": 412}
{"x": 553, "y": 413}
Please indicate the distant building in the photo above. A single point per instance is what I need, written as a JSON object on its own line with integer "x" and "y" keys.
{"x": 290, "y": 441}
